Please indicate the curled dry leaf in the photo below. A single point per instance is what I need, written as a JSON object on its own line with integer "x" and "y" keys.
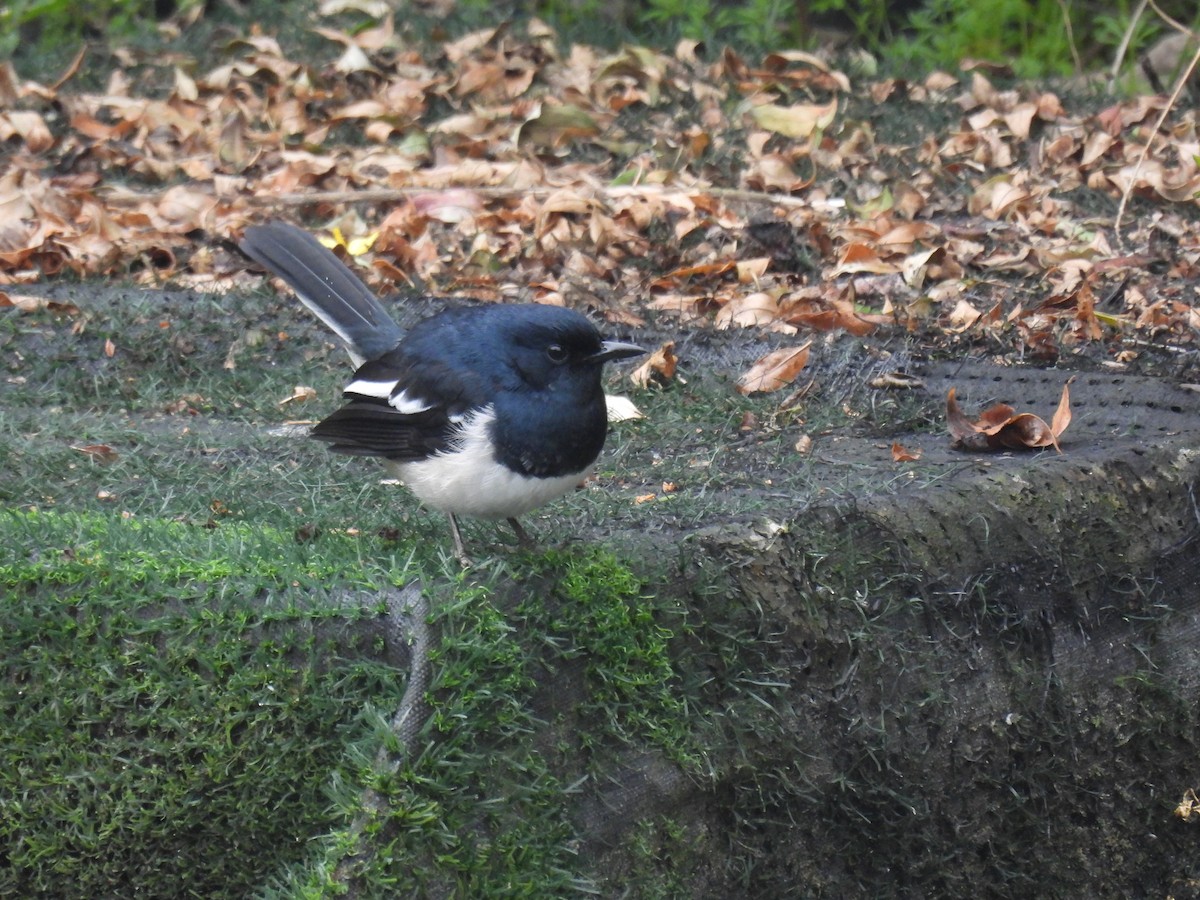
{"x": 859, "y": 257}
{"x": 704, "y": 271}
{"x": 1000, "y": 427}
{"x": 27, "y": 303}
{"x": 749, "y": 271}
{"x": 831, "y": 314}
{"x": 300, "y": 392}
{"x": 29, "y": 126}
{"x": 1062, "y": 415}
{"x": 1189, "y": 806}
{"x": 621, "y": 409}
{"x": 797, "y": 121}
{"x": 659, "y": 367}
{"x": 101, "y": 453}
{"x": 901, "y": 454}
{"x": 775, "y": 370}
{"x": 451, "y": 206}
{"x": 746, "y": 311}
{"x": 896, "y": 380}
{"x": 552, "y": 126}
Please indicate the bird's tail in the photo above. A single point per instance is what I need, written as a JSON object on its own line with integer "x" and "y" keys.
{"x": 335, "y": 295}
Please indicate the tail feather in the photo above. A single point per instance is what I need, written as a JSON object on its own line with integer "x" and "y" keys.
{"x": 333, "y": 293}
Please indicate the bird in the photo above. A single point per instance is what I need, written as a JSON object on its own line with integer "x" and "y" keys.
{"x": 486, "y": 411}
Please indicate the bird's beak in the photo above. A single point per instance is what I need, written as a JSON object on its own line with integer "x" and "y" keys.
{"x": 615, "y": 350}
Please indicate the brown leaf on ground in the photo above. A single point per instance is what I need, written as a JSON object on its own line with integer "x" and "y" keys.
{"x": 775, "y": 370}
{"x": 758, "y": 308}
{"x": 1062, "y": 415}
{"x": 901, "y": 454}
{"x": 828, "y": 311}
{"x": 798, "y": 121}
{"x": 26, "y": 303}
{"x": 658, "y": 368}
{"x": 705, "y": 270}
{"x": 300, "y": 393}
{"x": 101, "y": 453}
{"x": 1000, "y": 427}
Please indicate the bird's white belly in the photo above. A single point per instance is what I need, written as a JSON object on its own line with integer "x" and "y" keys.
{"x": 468, "y": 480}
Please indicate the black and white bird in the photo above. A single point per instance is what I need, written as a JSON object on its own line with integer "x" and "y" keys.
{"x": 485, "y": 411}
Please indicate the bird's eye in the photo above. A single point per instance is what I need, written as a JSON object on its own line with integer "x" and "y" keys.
{"x": 556, "y": 353}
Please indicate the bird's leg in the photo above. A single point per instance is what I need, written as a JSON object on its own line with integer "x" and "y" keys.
{"x": 523, "y": 538}
{"x": 460, "y": 549}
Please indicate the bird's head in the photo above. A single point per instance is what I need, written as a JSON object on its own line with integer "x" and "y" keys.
{"x": 551, "y": 348}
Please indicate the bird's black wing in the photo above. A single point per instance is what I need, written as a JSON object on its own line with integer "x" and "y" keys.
{"x": 371, "y": 428}
{"x": 403, "y": 408}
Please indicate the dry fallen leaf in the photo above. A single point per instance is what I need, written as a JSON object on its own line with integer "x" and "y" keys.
{"x": 1062, "y": 415}
{"x": 798, "y": 121}
{"x": 896, "y": 381}
{"x": 659, "y": 367}
{"x": 1000, "y": 428}
{"x": 27, "y": 303}
{"x": 775, "y": 370}
{"x": 707, "y": 270}
{"x": 621, "y": 409}
{"x": 1189, "y": 806}
{"x": 746, "y": 311}
{"x": 300, "y": 392}
{"x": 554, "y": 125}
{"x": 900, "y": 454}
{"x": 101, "y": 453}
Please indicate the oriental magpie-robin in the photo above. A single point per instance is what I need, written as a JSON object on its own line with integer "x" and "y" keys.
{"x": 484, "y": 411}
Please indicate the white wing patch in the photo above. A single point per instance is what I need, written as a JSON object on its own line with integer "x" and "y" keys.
{"x": 409, "y": 406}
{"x": 381, "y": 390}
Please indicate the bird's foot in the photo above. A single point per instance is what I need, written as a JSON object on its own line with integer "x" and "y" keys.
{"x": 460, "y": 549}
{"x": 523, "y": 539}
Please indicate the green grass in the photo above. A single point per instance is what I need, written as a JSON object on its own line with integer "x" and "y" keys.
{"x": 541, "y": 680}
{"x": 174, "y": 701}
{"x": 196, "y": 710}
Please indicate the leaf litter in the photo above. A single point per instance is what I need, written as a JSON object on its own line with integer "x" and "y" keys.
{"x": 504, "y": 166}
